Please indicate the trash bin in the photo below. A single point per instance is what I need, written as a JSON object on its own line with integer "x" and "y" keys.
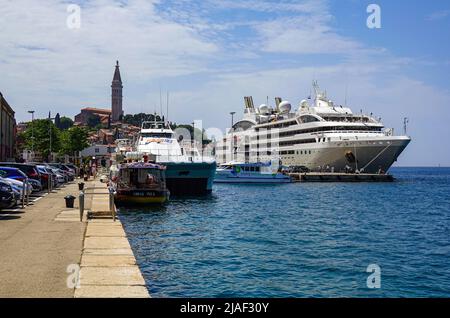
{"x": 81, "y": 186}
{"x": 70, "y": 199}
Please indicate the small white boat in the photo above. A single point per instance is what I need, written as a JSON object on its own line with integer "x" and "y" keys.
{"x": 258, "y": 172}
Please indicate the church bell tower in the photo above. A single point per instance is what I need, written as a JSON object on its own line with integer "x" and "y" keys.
{"x": 116, "y": 95}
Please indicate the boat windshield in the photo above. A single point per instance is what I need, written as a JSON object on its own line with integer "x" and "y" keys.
{"x": 247, "y": 168}
{"x": 141, "y": 178}
{"x": 156, "y": 135}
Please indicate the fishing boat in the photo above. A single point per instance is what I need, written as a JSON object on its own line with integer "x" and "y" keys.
{"x": 259, "y": 172}
{"x": 139, "y": 183}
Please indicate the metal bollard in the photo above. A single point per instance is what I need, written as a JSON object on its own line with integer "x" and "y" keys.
{"x": 23, "y": 194}
{"x": 28, "y": 196}
{"x": 49, "y": 184}
{"x": 81, "y": 198}
{"x": 111, "y": 204}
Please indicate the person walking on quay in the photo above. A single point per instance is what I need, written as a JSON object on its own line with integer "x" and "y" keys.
{"x": 81, "y": 173}
{"x": 94, "y": 170}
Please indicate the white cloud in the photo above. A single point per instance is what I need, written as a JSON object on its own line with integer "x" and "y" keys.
{"x": 208, "y": 54}
{"x": 438, "y": 15}
{"x": 304, "y": 35}
{"x": 44, "y": 59}
{"x": 310, "y": 6}
{"x": 377, "y": 88}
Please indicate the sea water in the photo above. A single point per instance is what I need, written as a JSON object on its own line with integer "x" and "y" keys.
{"x": 300, "y": 239}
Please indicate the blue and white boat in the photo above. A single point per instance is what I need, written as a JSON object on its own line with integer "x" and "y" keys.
{"x": 186, "y": 174}
{"x": 258, "y": 172}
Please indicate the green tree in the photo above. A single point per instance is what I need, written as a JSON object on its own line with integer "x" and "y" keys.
{"x": 41, "y": 134}
{"x": 57, "y": 121}
{"x": 73, "y": 140}
{"x": 94, "y": 121}
{"x": 65, "y": 123}
{"x": 190, "y": 128}
{"x": 137, "y": 119}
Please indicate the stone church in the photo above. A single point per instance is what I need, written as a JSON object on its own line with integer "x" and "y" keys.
{"x": 114, "y": 114}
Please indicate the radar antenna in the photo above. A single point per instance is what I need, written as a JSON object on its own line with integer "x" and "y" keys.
{"x": 317, "y": 91}
{"x": 405, "y": 124}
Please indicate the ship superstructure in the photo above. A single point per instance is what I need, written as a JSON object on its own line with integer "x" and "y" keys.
{"x": 319, "y": 136}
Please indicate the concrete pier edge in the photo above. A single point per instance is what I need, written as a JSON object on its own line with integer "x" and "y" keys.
{"x": 107, "y": 267}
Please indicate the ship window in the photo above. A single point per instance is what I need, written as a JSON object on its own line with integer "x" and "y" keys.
{"x": 242, "y": 125}
{"x": 257, "y": 169}
{"x": 308, "y": 119}
{"x": 157, "y": 135}
{"x": 310, "y": 152}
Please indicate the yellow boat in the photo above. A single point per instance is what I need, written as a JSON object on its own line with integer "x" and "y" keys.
{"x": 140, "y": 183}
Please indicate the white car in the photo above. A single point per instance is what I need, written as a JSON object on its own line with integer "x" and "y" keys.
{"x": 17, "y": 185}
{"x": 59, "y": 177}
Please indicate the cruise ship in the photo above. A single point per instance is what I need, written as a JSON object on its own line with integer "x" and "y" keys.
{"x": 318, "y": 136}
{"x": 186, "y": 172}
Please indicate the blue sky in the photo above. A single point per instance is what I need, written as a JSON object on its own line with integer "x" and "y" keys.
{"x": 211, "y": 53}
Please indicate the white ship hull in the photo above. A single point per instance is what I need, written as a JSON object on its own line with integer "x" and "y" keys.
{"x": 228, "y": 178}
{"x": 369, "y": 156}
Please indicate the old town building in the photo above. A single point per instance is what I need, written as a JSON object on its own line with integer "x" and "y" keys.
{"x": 7, "y": 131}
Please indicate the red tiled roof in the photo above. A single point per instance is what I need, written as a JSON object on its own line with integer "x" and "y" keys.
{"x": 97, "y": 110}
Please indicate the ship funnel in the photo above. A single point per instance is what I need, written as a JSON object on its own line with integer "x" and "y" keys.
{"x": 249, "y": 102}
{"x": 277, "y": 103}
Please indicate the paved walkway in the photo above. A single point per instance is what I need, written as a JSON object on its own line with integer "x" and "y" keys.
{"x": 35, "y": 250}
{"x": 108, "y": 266}
{"x": 42, "y": 246}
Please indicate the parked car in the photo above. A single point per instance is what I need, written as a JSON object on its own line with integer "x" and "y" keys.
{"x": 7, "y": 197}
{"x": 75, "y": 169}
{"x": 17, "y": 186}
{"x": 29, "y": 169}
{"x": 60, "y": 177}
{"x": 46, "y": 174}
{"x": 13, "y": 173}
{"x": 36, "y": 184}
{"x": 63, "y": 169}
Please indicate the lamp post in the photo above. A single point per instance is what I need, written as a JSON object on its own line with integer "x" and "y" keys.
{"x": 232, "y": 119}
{"x": 50, "y": 119}
{"x": 232, "y": 136}
{"x": 405, "y": 124}
{"x": 32, "y": 131}
{"x": 192, "y": 141}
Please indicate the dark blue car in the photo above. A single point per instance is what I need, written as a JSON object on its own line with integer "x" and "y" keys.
{"x": 12, "y": 173}
{"x": 7, "y": 197}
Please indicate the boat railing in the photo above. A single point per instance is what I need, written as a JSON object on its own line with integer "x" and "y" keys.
{"x": 181, "y": 158}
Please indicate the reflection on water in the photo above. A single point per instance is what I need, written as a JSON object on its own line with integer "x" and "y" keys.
{"x": 299, "y": 240}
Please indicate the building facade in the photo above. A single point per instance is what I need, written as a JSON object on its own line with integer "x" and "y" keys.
{"x": 7, "y": 131}
{"x": 83, "y": 117}
{"x": 116, "y": 95}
